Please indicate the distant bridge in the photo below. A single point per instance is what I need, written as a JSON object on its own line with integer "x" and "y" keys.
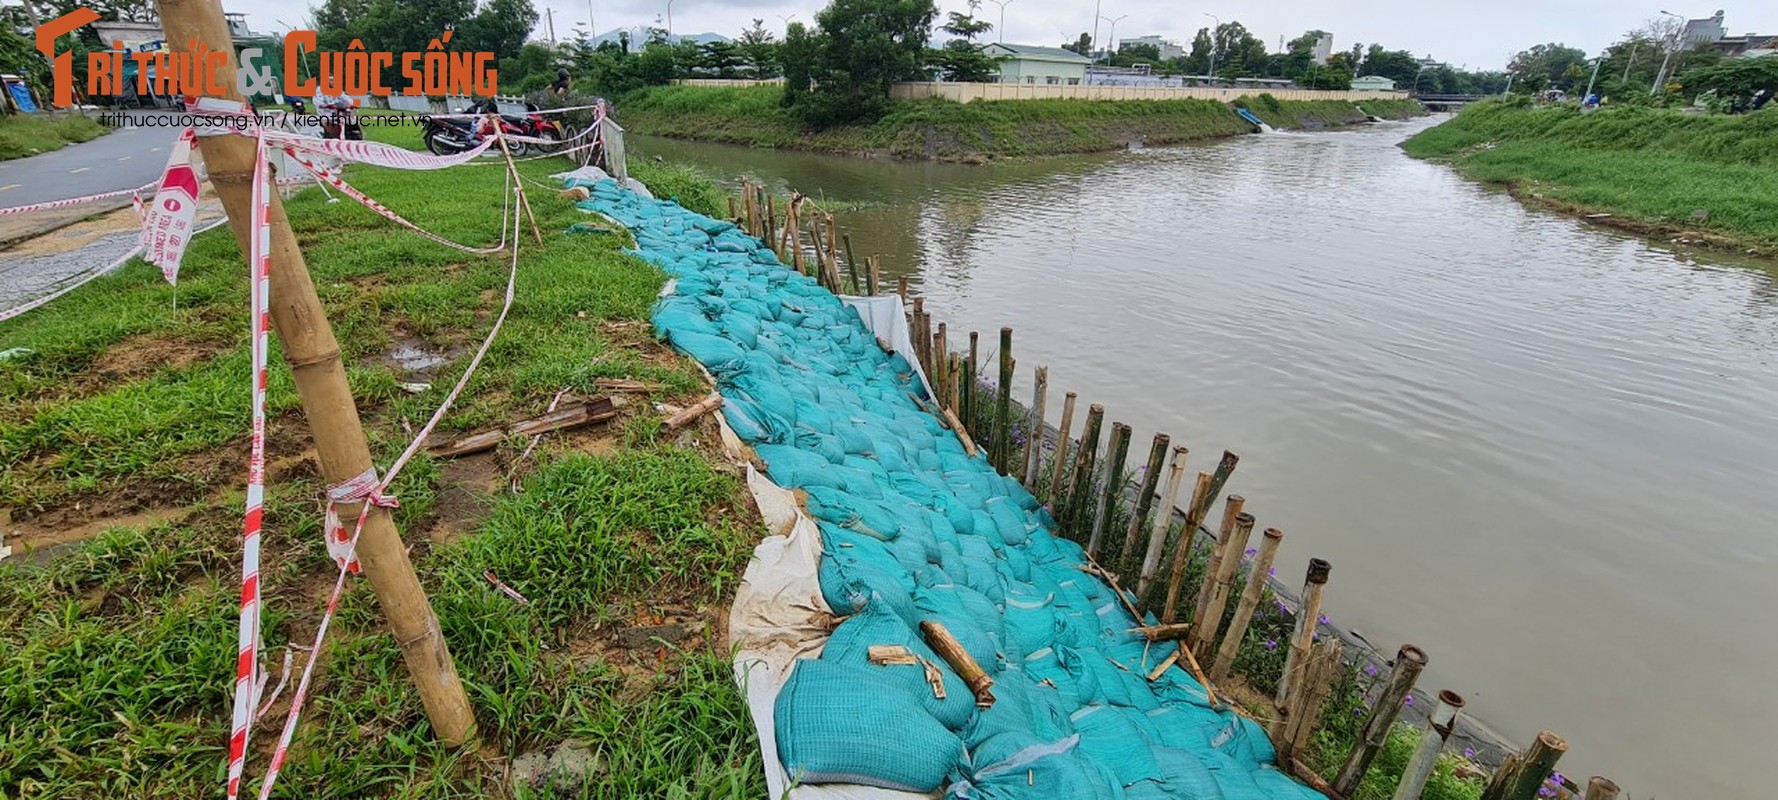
{"x": 1447, "y": 102}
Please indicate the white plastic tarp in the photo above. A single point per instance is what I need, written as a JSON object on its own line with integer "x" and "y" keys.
{"x": 887, "y": 318}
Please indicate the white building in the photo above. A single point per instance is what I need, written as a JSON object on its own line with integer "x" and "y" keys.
{"x": 1050, "y": 66}
{"x": 1169, "y": 48}
{"x": 1324, "y": 49}
{"x": 1373, "y": 83}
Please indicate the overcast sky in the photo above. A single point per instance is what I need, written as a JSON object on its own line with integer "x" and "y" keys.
{"x": 1478, "y": 35}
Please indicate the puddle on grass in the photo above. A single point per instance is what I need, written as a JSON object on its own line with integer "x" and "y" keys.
{"x": 413, "y": 355}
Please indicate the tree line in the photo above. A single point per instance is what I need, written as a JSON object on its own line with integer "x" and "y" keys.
{"x": 1648, "y": 65}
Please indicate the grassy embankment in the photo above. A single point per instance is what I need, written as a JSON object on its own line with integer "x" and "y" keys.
{"x": 24, "y": 135}
{"x": 122, "y": 445}
{"x": 1650, "y": 169}
{"x": 939, "y": 129}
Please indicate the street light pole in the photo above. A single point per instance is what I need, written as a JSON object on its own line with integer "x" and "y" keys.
{"x": 1213, "y": 32}
{"x": 1098, "y": 5}
{"x": 1110, "y": 50}
{"x": 1661, "y": 74}
{"x": 669, "y": 19}
{"x": 1597, "y": 62}
{"x": 1002, "y": 30}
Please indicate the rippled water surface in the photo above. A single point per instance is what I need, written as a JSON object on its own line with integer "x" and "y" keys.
{"x": 1545, "y": 453}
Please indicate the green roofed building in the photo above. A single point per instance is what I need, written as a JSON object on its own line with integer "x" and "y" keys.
{"x": 1023, "y": 63}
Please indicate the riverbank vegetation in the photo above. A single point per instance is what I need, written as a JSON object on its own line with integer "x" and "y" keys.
{"x": 1704, "y": 178}
{"x": 122, "y": 457}
{"x": 940, "y": 129}
{"x": 24, "y": 135}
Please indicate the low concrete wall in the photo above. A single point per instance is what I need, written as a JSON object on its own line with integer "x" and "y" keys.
{"x": 971, "y": 92}
{"x": 726, "y": 83}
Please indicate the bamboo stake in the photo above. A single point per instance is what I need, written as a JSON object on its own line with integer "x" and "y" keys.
{"x": 1002, "y": 444}
{"x": 1250, "y": 597}
{"x": 1219, "y": 551}
{"x": 917, "y": 331}
{"x": 1205, "y": 627}
{"x": 833, "y": 253}
{"x": 1059, "y": 458}
{"x": 1521, "y": 775}
{"x": 948, "y": 648}
{"x": 1086, "y": 455}
{"x": 1600, "y": 788}
{"x": 518, "y": 186}
{"x": 1157, "y": 633}
{"x": 1117, "y": 454}
{"x": 901, "y": 288}
{"x": 309, "y": 347}
{"x": 1432, "y": 742}
{"x": 962, "y": 432}
{"x": 874, "y": 276}
{"x": 733, "y": 212}
{"x": 1293, "y": 729}
{"x": 691, "y": 414}
{"x": 1307, "y": 617}
{"x": 972, "y": 409}
{"x": 1157, "y": 537}
{"x": 942, "y": 357}
{"x": 1182, "y": 550}
{"x": 1034, "y": 427}
{"x": 771, "y": 223}
{"x": 1151, "y": 475}
{"x": 851, "y": 262}
{"x": 1409, "y": 661}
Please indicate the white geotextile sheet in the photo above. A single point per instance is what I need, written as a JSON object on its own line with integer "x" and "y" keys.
{"x": 887, "y": 317}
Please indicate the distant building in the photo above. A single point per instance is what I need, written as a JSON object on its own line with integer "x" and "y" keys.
{"x": 1168, "y": 48}
{"x": 1704, "y": 31}
{"x": 1711, "y": 32}
{"x": 1373, "y": 83}
{"x": 1024, "y": 63}
{"x": 1324, "y": 49}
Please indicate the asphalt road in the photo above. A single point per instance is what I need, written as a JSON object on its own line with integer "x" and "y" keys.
{"x": 123, "y": 159}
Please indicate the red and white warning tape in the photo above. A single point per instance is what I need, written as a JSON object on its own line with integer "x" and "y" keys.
{"x": 51, "y": 205}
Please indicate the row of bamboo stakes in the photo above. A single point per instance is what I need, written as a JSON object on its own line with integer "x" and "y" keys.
{"x": 1084, "y": 484}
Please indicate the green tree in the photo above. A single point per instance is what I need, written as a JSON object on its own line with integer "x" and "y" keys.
{"x": 799, "y": 52}
{"x": 1135, "y": 53}
{"x": 1547, "y": 66}
{"x": 722, "y": 58}
{"x": 19, "y": 55}
{"x": 1398, "y": 65}
{"x": 760, "y": 50}
{"x": 864, "y": 46}
{"x": 498, "y": 27}
{"x": 961, "y": 59}
{"x": 1238, "y": 52}
{"x": 1742, "y": 84}
{"x": 1082, "y": 45}
{"x": 531, "y": 69}
{"x": 1197, "y": 62}
{"x": 1299, "y": 55}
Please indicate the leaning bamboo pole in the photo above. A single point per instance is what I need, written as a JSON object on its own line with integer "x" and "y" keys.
{"x": 1432, "y": 742}
{"x": 318, "y": 370}
{"x": 1250, "y": 597}
{"x": 1151, "y": 475}
{"x": 1034, "y": 427}
{"x": 1222, "y": 584}
{"x": 1600, "y": 788}
{"x": 1059, "y": 458}
{"x": 1307, "y": 617}
{"x": 1002, "y": 437}
{"x": 1117, "y": 453}
{"x": 1521, "y": 775}
{"x": 1219, "y": 552}
{"x": 1083, "y": 470}
{"x": 1157, "y": 537}
{"x": 1182, "y": 550}
{"x": 1409, "y": 662}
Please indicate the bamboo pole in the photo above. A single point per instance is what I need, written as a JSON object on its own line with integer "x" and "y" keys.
{"x": 874, "y": 275}
{"x": 1182, "y": 550}
{"x": 1250, "y": 597}
{"x": 1157, "y": 537}
{"x": 1117, "y": 453}
{"x": 1600, "y": 788}
{"x": 1224, "y": 468}
{"x": 518, "y": 186}
{"x": 948, "y": 648}
{"x": 833, "y": 252}
{"x": 1219, "y": 552}
{"x": 1151, "y": 476}
{"x": 917, "y": 331}
{"x": 1206, "y": 625}
{"x": 1059, "y": 458}
{"x": 1034, "y": 427}
{"x": 1087, "y": 454}
{"x": 1291, "y": 731}
{"x": 1521, "y": 776}
{"x": 972, "y": 414}
{"x": 901, "y": 288}
{"x": 309, "y": 347}
{"x": 852, "y": 262}
{"x": 941, "y": 348}
{"x": 733, "y": 212}
{"x": 1409, "y": 661}
{"x": 771, "y": 223}
{"x": 1003, "y": 406}
{"x": 1432, "y": 742}
{"x": 1307, "y": 617}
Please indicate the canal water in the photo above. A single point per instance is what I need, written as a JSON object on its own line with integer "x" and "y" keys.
{"x": 1545, "y": 453}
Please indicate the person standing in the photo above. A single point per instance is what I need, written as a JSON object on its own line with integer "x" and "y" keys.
{"x": 563, "y": 82}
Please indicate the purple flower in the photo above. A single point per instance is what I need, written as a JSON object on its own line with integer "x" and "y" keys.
{"x": 1251, "y": 552}
{"x": 1271, "y": 644}
{"x": 1469, "y": 752}
{"x": 1323, "y": 620}
{"x": 1371, "y": 670}
{"x": 1409, "y": 702}
{"x": 1272, "y": 572}
{"x": 1545, "y": 792}
{"x": 1556, "y": 778}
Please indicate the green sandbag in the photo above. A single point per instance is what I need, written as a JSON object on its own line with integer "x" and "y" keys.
{"x": 832, "y": 720}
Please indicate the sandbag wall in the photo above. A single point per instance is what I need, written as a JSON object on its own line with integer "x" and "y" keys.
{"x": 913, "y": 529}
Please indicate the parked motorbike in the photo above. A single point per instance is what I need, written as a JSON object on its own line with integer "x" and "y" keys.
{"x": 339, "y": 122}
{"x": 448, "y": 136}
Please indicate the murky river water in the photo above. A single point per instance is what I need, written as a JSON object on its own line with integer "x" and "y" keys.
{"x": 1545, "y": 453}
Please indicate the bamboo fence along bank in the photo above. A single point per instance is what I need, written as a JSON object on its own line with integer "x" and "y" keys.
{"x": 1190, "y": 594}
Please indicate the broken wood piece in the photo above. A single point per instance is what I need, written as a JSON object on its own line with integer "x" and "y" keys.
{"x": 625, "y": 385}
{"x": 1158, "y": 633}
{"x": 887, "y": 654}
{"x": 934, "y": 678}
{"x": 948, "y": 648}
{"x": 1161, "y": 669}
{"x": 1302, "y": 773}
{"x": 1198, "y": 675}
{"x": 598, "y": 409}
{"x": 690, "y": 415}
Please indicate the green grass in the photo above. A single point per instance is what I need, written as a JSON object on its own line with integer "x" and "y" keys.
{"x": 940, "y": 129}
{"x": 116, "y": 659}
{"x": 1651, "y": 167}
{"x": 24, "y": 135}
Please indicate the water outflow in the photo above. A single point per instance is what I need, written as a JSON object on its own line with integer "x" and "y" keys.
{"x": 915, "y": 529}
{"x": 1257, "y": 122}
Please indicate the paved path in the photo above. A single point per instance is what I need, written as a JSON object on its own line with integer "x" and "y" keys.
{"x": 123, "y": 159}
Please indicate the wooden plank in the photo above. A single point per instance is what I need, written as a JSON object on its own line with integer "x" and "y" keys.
{"x": 598, "y": 409}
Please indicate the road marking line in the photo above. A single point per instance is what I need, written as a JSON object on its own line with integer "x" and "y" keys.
{"x": 123, "y": 158}
{"x": 9, "y": 186}
{"x": 154, "y": 149}
{"x": 78, "y": 171}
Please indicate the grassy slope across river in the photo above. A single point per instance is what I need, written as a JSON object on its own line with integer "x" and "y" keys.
{"x": 940, "y": 129}
{"x": 29, "y": 134}
{"x": 1651, "y": 169}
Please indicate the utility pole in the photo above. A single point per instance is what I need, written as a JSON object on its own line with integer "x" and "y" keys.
{"x": 1632, "y": 63}
{"x": 320, "y": 376}
{"x": 31, "y": 13}
{"x": 591, "y": 28}
{"x": 1098, "y": 5}
{"x": 550, "y": 15}
{"x": 1002, "y": 31}
{"x": 1661, "y": 74}
{"x": 1597, "y": 62}
{"x": 1213, "y": 32}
